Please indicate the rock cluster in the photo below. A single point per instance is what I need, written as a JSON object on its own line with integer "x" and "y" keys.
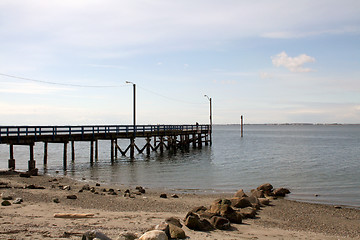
{"x": 223, "y": 212}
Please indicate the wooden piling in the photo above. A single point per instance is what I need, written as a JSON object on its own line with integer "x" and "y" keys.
{"x": 115, "y": 144}
{"x": 161, "y": 144}
{"x": 199, "y": 140}
{"x": 31, "y": 163}
{"x": 112, "y": 150}
{"x": 11, "y": 162}
{"x": 65, "y": 156}
{"x": 92, "y": 152}
{"x": 242, "y": 129}
{"x": 96, "y": 150}
{"x": 72, "y": 151}
{"x": 132, "y": 147}
{"x": 194, "y": 141}
{"x": 148, "y": 140}
{"x": 45, "y": 152}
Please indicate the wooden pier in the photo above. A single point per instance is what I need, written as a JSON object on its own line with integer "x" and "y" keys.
{"x": 157, "y": 138}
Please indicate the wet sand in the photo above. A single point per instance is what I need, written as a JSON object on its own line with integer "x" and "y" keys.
{"x": 114, "y": 214}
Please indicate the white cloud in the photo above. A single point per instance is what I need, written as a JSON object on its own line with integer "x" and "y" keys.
{"x": 294, "y": 64}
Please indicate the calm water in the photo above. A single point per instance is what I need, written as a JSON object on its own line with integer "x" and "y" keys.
{"x": 323, "y": 160}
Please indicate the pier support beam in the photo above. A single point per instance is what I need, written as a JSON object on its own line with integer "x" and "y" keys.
{"x": 45, "y": 153}
{"x": 161, "y": 144}
{"x": 72, "y": 151}
{"x": 65, "y": 156}
{"x": 199, "y": 141}
{"x": 96, "y": 150}
{"x": 115, "y": 144}
{"x": 31, "y": 163}
{"x": 132, "y": 147}
{"x": 112, "y": 150}
{"x": 92, "y": 152}
{"x": 148, "y": 140}
{"x": 194, "y": 141}
{"x": 11, "y": 162}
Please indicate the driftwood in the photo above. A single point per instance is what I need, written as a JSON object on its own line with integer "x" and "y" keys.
{"x": 73, "y": 215}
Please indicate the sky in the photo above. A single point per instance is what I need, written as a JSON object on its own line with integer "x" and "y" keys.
{"x": 65, "y": 62}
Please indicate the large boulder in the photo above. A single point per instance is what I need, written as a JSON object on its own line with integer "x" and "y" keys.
{"x": 222, "y": 207}
{"x": 257, "y": 193}
{"x": 240, "y": 193}
{"x": 264, "y": 201}
{"x": 194, "y": 222}
{"x": 254, "y": 201}
{"x": 266, "y": 187}
{"x": 175, "y": 232}
{"x": 174, "y": 221}
{"x": 154, "y": 235}
{"x": 240, "y": 202}
{"x": 220, "y": 223}
{"x": 281, "y": 192}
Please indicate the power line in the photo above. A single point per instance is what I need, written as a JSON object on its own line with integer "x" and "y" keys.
{"x": 61, "y": 84}
{"x": 169, "y": 98}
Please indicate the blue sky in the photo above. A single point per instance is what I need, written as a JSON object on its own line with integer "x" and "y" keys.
{"x": 271, "y": 61}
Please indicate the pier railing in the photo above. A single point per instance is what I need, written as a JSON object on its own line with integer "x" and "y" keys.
{"x": 34, "y": 132}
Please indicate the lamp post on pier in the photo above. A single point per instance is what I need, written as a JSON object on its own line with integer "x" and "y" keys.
{"x": 132, "y": 141}
{"x": 209, "y": 98}
{"x": 134, "y": 104}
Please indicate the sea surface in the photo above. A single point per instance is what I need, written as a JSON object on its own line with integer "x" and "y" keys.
{"x": 318, "y": 163}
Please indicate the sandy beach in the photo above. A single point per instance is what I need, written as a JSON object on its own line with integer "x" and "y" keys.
{"x": 114, "y": 214}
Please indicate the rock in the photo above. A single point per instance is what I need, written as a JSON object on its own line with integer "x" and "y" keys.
{"x": 68, "y": 188}
{"x": 127, "y": 236}
{"x": 174, "y": 221}
{"x": 154, "y": 235}
{"x": 222, "y": 207}
{"x": 163, "y": 195}
{"x": 281, "y": 192}
{"x": 71, "y": 197}
{"x": 18, "y": 201}
{"x": 257, "y": 193}
{"x": 6, "y": 196}
{"x": 240, "y": 193}
{"x": 264, "y": 201}
{"x": 248, "y": 212}
{"x": 240, "y": 202}
{"x": 266, "y": 187}
{"x": 97, "y": 184}
{"x": 90, "y": 235}
{"x": 254, "y": 201}
{"x": 199, "y": 209}
{"x": 33, "y": 172}
{"x": 162, "y": 227}
{"x": 176, "y": 232}
{"x": 140, "y": 189}
{"x": 56, "y": 200}
{"x": 220, "y": 222}
{"x": 92, "y": 189}
{"x": 174, "y": 196}
{"x": 194, "y": 222}
{"x": 5, "y": 203}
{"x": 85, "y": 187}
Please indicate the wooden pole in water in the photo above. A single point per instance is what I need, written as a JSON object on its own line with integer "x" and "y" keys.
{"x": 31, "y": 163}
{"x": 45, "y": 152}
{"x": 241, "y": 126}
{"x": 96, "y": 150}
{"x": 11, "y": 162}
{"x": 112, "y": 150}
{"x": 92, "y": 151}
{"x": 65, "y": 156}
{"x": 115, "y": 144}
{"x": 72, "y": 151}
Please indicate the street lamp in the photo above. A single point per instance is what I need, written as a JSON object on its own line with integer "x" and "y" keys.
{"x": 209, "y": 98}
{"x": 134, "y": 111}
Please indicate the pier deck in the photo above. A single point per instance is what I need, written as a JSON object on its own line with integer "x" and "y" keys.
{"x": 170, "y": 137}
